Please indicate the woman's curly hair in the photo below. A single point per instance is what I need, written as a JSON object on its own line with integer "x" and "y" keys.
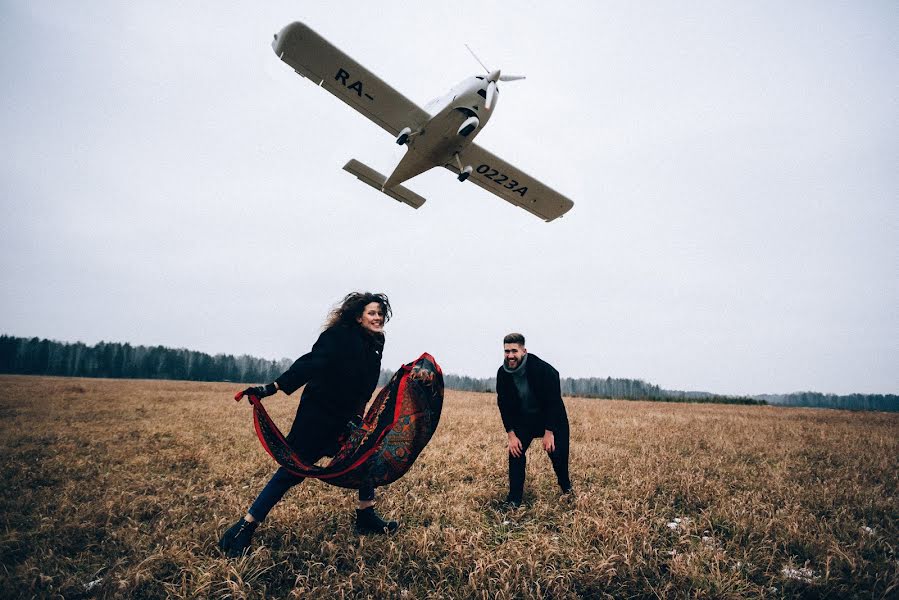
{"x": 351, "y": 307}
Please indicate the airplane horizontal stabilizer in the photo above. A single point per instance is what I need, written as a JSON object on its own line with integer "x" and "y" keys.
{"x": 371, "y": 177}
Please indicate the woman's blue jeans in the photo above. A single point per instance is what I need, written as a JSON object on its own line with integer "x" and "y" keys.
{"x": 278, "y": 485}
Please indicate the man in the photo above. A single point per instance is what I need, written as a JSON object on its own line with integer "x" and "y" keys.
{"x": 529, "y": 398}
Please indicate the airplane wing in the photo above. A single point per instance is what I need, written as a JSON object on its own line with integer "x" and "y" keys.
{"x": 512, "y": 185}
{"x": 314, "y": 57}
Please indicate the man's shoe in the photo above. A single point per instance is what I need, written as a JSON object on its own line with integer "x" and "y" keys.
{"x": 368, "y": 521}
{"x": 511, "y": 503}
{"x": 236, "y": 540}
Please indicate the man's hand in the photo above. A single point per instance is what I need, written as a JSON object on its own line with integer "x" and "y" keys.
{"x": 257, "y": 391}
{"x": 514, "y": 445}
{"x": 549, "y": 441}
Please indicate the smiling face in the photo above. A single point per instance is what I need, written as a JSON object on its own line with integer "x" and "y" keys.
{"x": 514, "y": 353}
{"x": 372, "y": 318}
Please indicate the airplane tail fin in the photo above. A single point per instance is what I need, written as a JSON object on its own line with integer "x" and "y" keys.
{"x": 371, "y": 177}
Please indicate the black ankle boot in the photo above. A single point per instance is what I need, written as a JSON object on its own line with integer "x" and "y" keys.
{"x": 368, "y": 521}
{"x": 236, "y": 540}
{"x": 511, "y": 503}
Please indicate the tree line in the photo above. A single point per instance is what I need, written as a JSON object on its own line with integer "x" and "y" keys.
{"x": 882, "y": 402}
{"x": 33, "y": 356}
{"x": 608, "y": 387}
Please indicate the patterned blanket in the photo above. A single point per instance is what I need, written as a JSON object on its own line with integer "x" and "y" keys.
{"x": 396, "y": 428}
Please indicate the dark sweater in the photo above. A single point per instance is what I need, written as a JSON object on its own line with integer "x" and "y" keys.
{"x": 543, "y": 381}
{"x": 340, "y": 373}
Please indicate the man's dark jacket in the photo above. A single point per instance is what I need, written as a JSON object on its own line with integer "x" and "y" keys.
{"x": 543, "y": 381}
{"x": 340, "y": 373}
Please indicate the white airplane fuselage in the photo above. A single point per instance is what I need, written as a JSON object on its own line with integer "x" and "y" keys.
{"x": 456, "y": 118}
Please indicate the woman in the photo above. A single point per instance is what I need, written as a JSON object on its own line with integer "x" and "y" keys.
{"x": 340, "y": 374}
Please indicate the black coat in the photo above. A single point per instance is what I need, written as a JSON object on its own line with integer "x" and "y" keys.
{"x": 340, "y": 373}
{"x": 543, "y": 380}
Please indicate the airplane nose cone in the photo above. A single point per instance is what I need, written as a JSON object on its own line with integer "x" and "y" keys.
{"x": 494, "y": 76}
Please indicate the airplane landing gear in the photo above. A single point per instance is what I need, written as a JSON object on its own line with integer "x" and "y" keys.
{"x": 403, "y": 137}
{"x": 468, "y": 126}
{"x": 464, "y": 172}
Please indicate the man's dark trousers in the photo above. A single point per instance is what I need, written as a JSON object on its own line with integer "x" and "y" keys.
{"x": 559, "y": 459}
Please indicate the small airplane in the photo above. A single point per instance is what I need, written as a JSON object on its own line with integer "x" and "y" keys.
{"x": 440, "y": 134}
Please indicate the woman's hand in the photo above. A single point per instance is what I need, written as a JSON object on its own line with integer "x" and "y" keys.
{"x": 258, "y": 391}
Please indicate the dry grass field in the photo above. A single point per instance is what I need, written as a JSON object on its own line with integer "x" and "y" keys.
{"x": 115, "y": 488}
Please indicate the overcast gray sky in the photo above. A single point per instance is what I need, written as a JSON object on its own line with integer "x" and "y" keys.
{"x": 165, "y": 179}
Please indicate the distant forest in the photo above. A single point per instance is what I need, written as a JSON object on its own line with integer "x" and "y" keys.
{"x": 45, "y": 357}
{"x": 33, "y": 356}
{"x": 608, "y": 387}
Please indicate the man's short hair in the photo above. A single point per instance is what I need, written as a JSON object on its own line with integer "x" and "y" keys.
{"x": 514, "y": 338}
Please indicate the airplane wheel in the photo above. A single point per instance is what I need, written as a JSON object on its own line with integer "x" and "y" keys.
{"x": 463, "y": 176}
{"x": 402, "y": 139}
{"x": 467, "y": 126}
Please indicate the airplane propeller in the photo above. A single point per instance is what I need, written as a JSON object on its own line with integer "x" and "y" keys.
{"x": 492, "y": 78}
